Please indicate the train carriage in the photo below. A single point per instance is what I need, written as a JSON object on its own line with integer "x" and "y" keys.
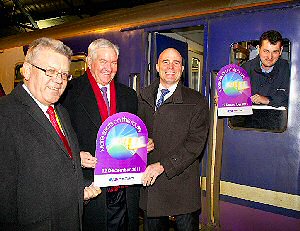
{"x": 250, "y": 176}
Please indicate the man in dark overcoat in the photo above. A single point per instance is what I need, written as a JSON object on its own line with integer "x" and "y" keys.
{"x": 177, "y": 120}
{"x": 89, "y": 105}
{"x": 41, "y": 177}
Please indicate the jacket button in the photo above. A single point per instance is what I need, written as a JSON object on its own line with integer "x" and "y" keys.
{"x": 174, "y": 158}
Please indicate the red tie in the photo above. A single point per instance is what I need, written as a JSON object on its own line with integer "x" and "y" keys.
{"x": 54, "y": 123}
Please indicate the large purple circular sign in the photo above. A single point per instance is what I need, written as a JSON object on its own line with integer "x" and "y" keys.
{"x": 121, "y": 147}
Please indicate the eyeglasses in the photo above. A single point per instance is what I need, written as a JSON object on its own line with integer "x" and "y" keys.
{"x": 51, "y": 72}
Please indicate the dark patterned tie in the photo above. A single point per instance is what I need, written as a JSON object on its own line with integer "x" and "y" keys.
{"x": 104, "y": 93}
{"x": 54, "y": 123}
{"x": 161, "y": 99}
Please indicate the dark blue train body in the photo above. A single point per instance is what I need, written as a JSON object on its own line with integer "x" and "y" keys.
{"x": 262, "y": 166}
{"x": 250, "y": 178}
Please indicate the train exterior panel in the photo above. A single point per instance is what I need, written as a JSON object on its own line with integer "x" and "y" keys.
{"x": 258, "y": 186}
{"x": 265, "y": 162}
{"x": 129, "y": 42}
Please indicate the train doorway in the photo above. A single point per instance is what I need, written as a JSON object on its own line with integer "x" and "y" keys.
{"x": 189, "y": 41}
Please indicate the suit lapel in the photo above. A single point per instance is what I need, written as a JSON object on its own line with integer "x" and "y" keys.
{"x": 88, "y": 101}
{"x": 66, "y": 125}
{"x": 37, "y": 114}
{"x": 149, "y": 93}
{"x": 176, "y": 97}
{"x": 121, "y": 96}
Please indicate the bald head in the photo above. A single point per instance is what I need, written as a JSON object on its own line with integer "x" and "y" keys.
{"x": 169, "y": 67}
{"x": 170, "y": 51}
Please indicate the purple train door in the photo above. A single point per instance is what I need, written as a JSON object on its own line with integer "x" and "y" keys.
{"x": 161, "y": 42}
{"x": 258, "y": 160}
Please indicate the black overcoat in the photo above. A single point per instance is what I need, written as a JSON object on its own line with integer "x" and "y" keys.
{"x": 179, "y": 130}
{"x": 80, "y": 101}
{"x": 41, "y": 186}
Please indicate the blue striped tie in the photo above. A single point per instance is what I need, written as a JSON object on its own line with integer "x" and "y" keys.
{"x": 161, "y": 99}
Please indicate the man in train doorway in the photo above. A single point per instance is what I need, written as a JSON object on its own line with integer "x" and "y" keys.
{"x": 269, "y": 73}
{"x": 90, "y": 99}
{"x": 177, "y": 119}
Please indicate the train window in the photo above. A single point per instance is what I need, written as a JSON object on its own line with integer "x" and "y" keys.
{"x": 18, "y": 74}
{"x": 195, "y": 80}
{"x": 78, "y": 65}
{"x": 265, "y": 117}
{"x": 241, "y": 52}
{"x": 135, "y": 81}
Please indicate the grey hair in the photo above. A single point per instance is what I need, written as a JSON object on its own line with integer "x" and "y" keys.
{"x": 47, "y": 43}
{"x": 101, "y": 43}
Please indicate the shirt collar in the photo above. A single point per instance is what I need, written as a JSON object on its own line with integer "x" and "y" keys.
{"x": 100, "y": 85}
{"x": 171, "y": 89}
{"x": 263, "y": 70}
{"x": 42, "y": 106}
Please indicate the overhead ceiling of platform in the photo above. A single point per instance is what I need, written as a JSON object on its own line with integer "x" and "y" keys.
{"x": 17, "y": 16}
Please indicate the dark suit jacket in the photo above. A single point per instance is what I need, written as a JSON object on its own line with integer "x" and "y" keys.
{"x": 41, "y": 187}
{"x": 179, "y": 130}
{"x": 80, "y": 101}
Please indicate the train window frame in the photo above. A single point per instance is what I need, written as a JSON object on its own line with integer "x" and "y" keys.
{"x": 258, "y": 121}
{"x": 78, "y": 58}
{"x": 195, "y": 80}
{"x": 264, "y": 118}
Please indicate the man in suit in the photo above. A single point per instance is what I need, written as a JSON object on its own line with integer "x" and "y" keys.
{"x": 41, "y": 177}
{"x": 90, "y": 99}
{"x": 177, "y": 120}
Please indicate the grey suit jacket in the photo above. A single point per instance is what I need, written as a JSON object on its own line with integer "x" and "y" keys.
{"x": 179, "y": 129}
{"x": 41, "y": 186}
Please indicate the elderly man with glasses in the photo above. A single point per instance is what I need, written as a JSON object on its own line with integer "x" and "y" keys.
{"x": 41, "y": 177}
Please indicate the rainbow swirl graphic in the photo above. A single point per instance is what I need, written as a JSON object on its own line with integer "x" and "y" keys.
{"x": 233, "y": 84}
{"x": 123, "y": 141}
